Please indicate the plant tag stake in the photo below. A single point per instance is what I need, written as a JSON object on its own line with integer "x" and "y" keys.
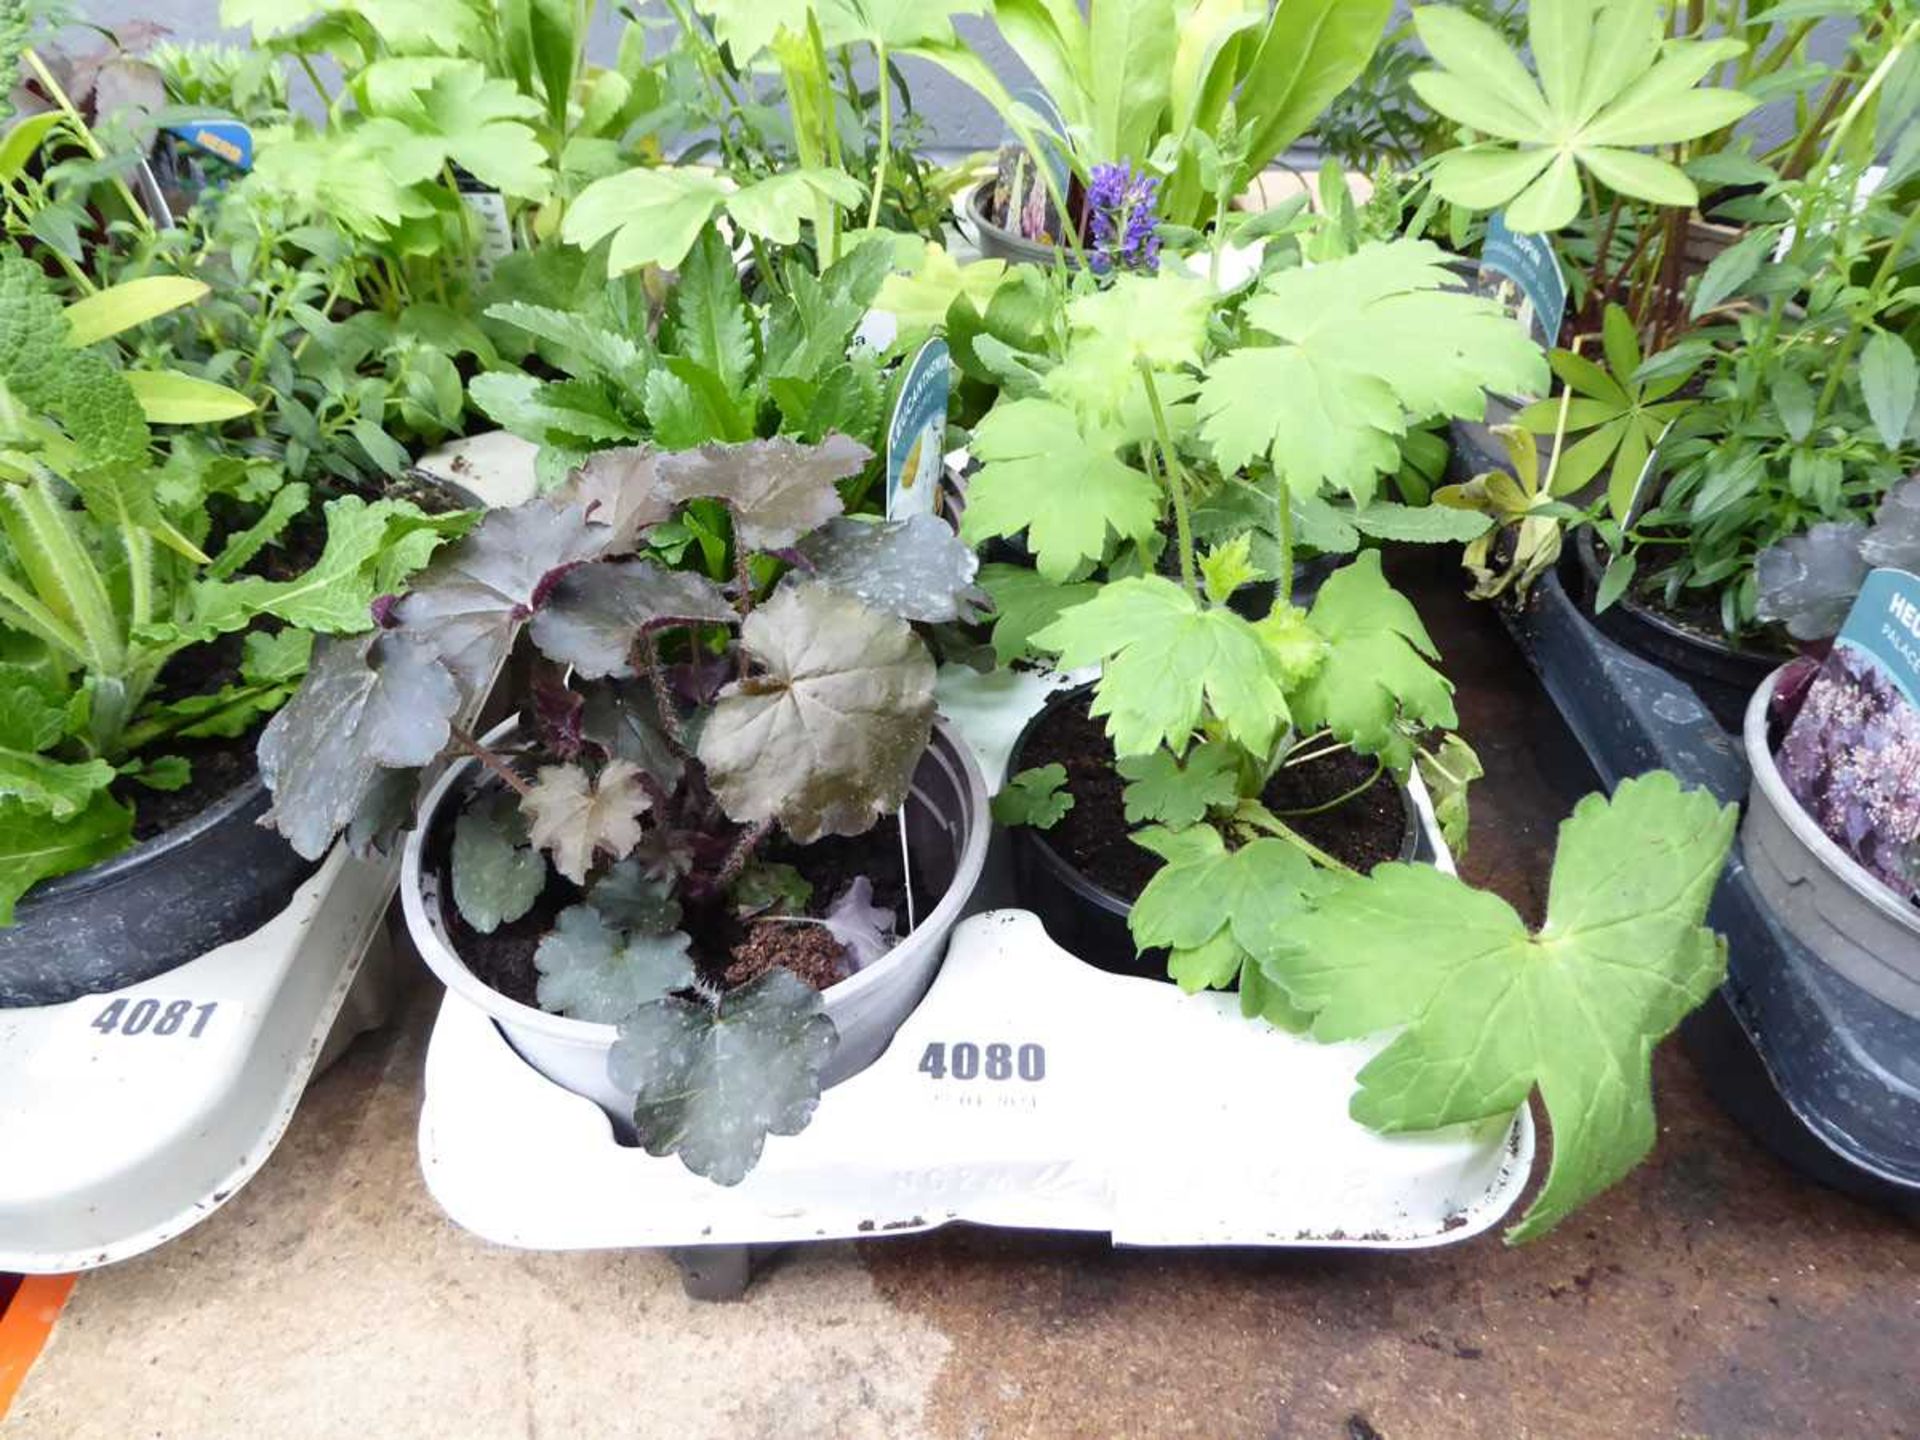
{"x": 494, "y": 241}
{"x": 1526, "y": 279}
{"x": 916, "y": 459}
{"x": 1852, "y": 755}
{"x": 917, "y": 434}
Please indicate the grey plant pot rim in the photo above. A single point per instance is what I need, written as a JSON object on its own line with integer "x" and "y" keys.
{"x": 1772, "y": 786}
{"x": 1077, "y": 879}
{"x": 430, "y": 938}
{"x": 79, "y": 883}
{"x": 1589, "y": 558}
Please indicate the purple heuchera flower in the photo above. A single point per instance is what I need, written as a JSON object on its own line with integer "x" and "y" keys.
{"x": 1120, "y": 211}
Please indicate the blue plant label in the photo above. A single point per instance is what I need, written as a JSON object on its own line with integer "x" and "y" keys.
{"x": 1526, "y": 263}
{"x": 917, "y": 436}
{"x": 1852, "y": 755}
{"x": 228, "y": 140}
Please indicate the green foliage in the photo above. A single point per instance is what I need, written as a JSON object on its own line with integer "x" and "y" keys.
{"x": 1168, "y": 663}
{"x": 1491, "y": 1011}
{"x": 1365, "y": 348}
{"x": 718, "y": 370}
{"x": 1148, "y": 81}
{"x": 1164, "y": 790}
{"x": 1037, "y": 797}
{"x": 654, "y": 217}
{"x": 1376, "y": 687}
{"x": 1609, "y": 86}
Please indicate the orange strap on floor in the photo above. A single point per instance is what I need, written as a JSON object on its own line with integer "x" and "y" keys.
{"x": 24, "y": 1327}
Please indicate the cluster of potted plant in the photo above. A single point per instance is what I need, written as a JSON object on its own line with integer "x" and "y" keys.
{"x": 1728, "y": 456}
{"x": 708, "y": 863}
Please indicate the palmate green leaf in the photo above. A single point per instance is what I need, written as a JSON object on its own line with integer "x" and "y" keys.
{"x": 1608, "y": 82}
{"x": 36, "y": 846}
{"x": 497, "y": 875}
{"x": 1168, "y": 665}
{"x": 1037, "y": 797}
{"x": 710, "y": 1083}
{"x": 1375, "y": 682}
{"x": 1164, "y": 791}
{"x": 1447, "y": 773}
{"x": 1158, "y": 321}
{"x": 1025, "y": 601}
{"x": 920, "y": 298}
{"x": 1491, "y": 1011}
{"x": 477, "y": 121}
{"x": 1367, "y": 347}
{"x": 1216, "y": 909}
{"x": 826, "y": 737}
{"x": 1065, "y": 489}
{"x": 656, "y": 215}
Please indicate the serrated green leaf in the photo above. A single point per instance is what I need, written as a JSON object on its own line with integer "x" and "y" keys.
{"x": 43, "y": 786}
{"x": 1212, "y": 907}
{"x": 709, "y": 315}
{"x": 1168, "y": 665}
{"x": 1036, "y": 797}
{"x": 1376, "y": 680}
{"x": 36, "y": 846}
{"x": 1491, "y": 1011}
{"x": 1025, "y": 601}
{"x": 1163, "y": 791}
{"x": 1369, "y": 346}
{"x": 1065, "y": 490}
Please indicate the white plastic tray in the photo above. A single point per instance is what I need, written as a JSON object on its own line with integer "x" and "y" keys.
{"x": 1156, "y": 1117}
{"x": 1152, "y": 1116}
{"x": 129, "y": 1117}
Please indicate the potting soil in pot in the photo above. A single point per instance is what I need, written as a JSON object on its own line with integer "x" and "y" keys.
{"x": 1095, "y": 836}
{"x": 729, "y": 950}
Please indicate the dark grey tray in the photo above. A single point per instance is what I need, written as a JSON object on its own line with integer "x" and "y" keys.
{"x": 1823, "y": 1073}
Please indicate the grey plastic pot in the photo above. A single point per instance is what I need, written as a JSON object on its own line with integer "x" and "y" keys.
{"x": 947, "y": 827}
{"x": 1844, "y": 916}
{"x": 995, "y": 242}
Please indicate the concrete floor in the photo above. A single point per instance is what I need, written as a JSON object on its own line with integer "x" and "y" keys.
{"x": 1713, "y": 1294}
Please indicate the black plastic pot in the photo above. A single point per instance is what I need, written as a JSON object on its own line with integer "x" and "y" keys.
{"x": 998, "y": 243}
{"x": 1723, "y": 675}
{"x": 1085, "y": 918}
{"x": 169, "y": 900}
{"x": 1822, "y": 1073}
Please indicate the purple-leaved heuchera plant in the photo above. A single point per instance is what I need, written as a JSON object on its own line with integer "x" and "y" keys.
{"x": 680, "y": 739}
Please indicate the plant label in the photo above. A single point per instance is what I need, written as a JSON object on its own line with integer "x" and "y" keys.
{"x": 493, "y": 235}
{"x": 1852, "y": 755}
{"x": 227, "y": 140}
{"x": 917, "y": 435}
{"x": 1525, "y": 277}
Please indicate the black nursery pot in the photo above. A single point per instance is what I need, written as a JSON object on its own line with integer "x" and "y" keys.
{"x": 151, "y": 909}
{"x": 1724, "y": 676}
{"x": 1082, "y": 916}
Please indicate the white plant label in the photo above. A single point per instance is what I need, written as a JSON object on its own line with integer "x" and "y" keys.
{"x": 494, "y": 240}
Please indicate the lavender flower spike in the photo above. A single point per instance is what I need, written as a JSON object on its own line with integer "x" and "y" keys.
{"x": 1120, "y": 213}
